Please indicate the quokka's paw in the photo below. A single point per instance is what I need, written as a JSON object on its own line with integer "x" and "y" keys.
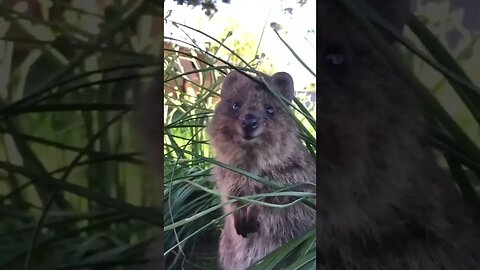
{"x": 246, "y": 221}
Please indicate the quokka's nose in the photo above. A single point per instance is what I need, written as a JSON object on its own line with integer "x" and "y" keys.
{"x": 250, "y": 122}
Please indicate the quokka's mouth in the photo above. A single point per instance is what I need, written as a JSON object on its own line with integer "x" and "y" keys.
{"x": 249, "y": 136}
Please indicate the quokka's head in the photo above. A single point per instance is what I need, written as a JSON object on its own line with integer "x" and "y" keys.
{"x": 353, "y": 77}
{"x": 249, "y": 117}
{"x": 359, "y": 94}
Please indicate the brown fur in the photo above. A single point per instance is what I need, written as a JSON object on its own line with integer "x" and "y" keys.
{"x": 276, "y": 153}
{"x": 382, "y": 202}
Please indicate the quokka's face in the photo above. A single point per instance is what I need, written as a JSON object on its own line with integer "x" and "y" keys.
{"x": 358, "y": 92}
{"x": 353, "y": 78}
{"x": 249, "y": 115}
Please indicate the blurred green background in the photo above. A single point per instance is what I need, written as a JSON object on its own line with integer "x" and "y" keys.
{"x": 74, "y": 193}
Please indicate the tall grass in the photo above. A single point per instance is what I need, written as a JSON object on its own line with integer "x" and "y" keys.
{"x": 73, "y": 190}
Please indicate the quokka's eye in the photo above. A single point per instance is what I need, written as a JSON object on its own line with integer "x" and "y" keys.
{"x": 270, "y": 110}
{"x": 334, "y": 57}
{"x": 235, "y": 106}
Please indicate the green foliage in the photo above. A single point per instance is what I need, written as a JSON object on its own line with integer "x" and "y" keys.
{"x": 210, "y": 6}
{"x": 73, "y": 190}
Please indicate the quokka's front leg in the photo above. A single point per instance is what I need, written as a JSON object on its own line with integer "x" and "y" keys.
{"x": 245, "y": 219}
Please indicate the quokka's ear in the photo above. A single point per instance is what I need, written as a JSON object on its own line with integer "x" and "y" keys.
{"x": 229, "y": 81}
{"x": 284, "y": 83}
